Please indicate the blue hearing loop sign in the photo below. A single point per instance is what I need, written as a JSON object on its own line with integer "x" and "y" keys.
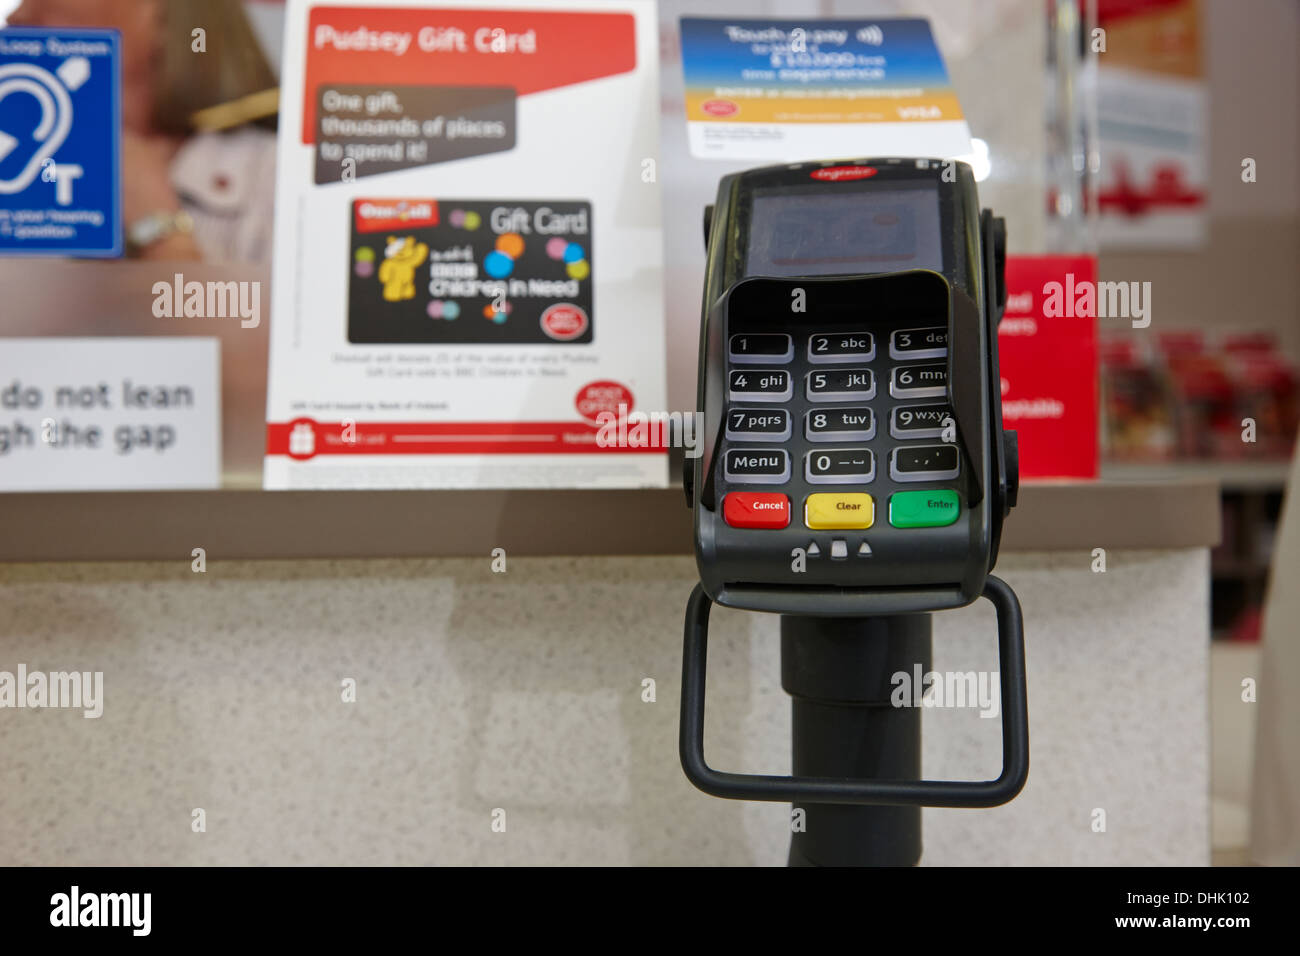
{"x": 60, "y": 142}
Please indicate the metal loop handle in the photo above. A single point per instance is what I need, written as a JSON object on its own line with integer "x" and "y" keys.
{"x": 931, "y": 793}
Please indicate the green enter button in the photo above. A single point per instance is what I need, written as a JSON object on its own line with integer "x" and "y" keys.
{"x": 924, "y": 509}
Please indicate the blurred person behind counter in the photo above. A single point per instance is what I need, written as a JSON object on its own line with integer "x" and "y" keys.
{"x": 198, "y": 147}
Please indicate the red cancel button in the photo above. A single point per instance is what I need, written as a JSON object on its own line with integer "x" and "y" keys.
{"x": 755, "y": 509}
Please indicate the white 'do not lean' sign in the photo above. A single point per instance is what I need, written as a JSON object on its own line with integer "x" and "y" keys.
{"x": 85, "y": 414}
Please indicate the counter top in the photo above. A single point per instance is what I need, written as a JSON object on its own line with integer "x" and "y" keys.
{"x": 1053, "y": 516}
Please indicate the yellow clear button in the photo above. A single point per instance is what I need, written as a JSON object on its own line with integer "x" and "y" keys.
{"x": 830, "y": 512}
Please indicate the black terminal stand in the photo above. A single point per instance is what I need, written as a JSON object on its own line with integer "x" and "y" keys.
{"x": 838, "y": 672}
{"x": 857, "y": 759}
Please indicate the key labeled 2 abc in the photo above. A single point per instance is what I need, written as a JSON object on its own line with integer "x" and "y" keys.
{"x": 836, "y": 347}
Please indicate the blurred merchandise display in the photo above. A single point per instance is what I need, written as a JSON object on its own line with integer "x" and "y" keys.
{"x": 1209, "y": 402}
{"x": 1189, "y": 397}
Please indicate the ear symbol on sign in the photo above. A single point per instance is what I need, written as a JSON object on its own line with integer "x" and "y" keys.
{"x": 56, "y": 118}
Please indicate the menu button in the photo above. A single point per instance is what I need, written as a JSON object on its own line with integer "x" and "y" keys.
{"x": 757, "y": 465}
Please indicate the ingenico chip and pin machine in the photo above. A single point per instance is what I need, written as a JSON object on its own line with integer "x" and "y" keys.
{"x": 854, "y": 477}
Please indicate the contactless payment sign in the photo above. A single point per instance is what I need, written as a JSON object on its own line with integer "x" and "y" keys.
{"x": 470, "y": 271}
{"x": 60, "y": 128}
{"x": 787, "y": 90}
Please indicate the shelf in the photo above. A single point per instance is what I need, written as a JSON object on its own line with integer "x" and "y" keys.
{"x": 1229, "y": 475}
{"x": 345, "y": 524}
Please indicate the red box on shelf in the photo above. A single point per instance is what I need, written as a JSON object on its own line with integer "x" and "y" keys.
{"x": 1048, "y": 360}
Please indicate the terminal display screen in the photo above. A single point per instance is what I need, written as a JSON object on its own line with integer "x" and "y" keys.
{"x": 815, "y": 230}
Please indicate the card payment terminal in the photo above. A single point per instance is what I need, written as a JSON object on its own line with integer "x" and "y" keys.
{"x": 854, "y": 461}
{"x": 854, "y": 464}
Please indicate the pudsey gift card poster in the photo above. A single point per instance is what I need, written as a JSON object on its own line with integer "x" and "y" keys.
{"x": 468, "y": 250}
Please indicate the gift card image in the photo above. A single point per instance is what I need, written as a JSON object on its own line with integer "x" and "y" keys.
{"x": 477, "y": 272}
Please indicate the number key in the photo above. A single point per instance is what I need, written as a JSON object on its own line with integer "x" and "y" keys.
{"x": 919, "y": 421}
{"x": 919, "y": 343}
{"x": 759, "y": 348}
{"x": 840, "y": 466}
{"x": 760, "y": 385}
{"x": 839, "y": 347}
{"x": 758, "y": 424}
{"x": 919, "y": 381}
{"x": 840, "y": 424}
{"x": 841, "y": 385}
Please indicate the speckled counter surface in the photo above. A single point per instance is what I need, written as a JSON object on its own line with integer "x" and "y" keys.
{"x": 523, "y": 691}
